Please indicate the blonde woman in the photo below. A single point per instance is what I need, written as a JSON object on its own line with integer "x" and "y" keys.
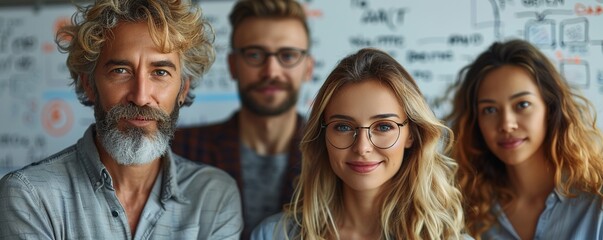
{"x": 371, "y": 161}
{"x": 529, "y": 152}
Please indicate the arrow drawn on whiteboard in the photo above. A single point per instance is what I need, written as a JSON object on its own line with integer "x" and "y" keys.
{"x": 494, "y": 22}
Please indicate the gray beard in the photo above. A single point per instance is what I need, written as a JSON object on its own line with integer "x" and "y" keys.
{"x": 133, "y": 146}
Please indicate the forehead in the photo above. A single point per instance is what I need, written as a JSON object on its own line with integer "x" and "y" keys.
{"x": 270, "y": 33}
{"x": 505, "y": 81}
{"x": 364, "y": 100}
{"x": 132, "y": 42}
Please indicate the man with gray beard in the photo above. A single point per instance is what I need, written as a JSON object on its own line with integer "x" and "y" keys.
{"x": 259, "y": 144}
{"x": 134, "y": 61}
{"x": 134, "y": 146}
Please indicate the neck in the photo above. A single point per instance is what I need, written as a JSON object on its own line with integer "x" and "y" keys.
{"x": 130, "y": 178}
{"x": 360, "y": 215}
{"x": 532, "y": 179}
{"x": 267, "y": 135}
{"x": 133, "y": 184}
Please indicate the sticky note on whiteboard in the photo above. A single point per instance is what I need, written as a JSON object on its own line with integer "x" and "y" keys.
{"x": 576, "y": 73}
{"x": 541, "y": 33}
{"x": 574, "y": 32}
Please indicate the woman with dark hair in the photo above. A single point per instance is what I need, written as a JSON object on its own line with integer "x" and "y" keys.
{"x": 529, "y": 152}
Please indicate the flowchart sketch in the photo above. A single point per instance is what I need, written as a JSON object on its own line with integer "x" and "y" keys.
{"x": 489, "y": 18}
{"x": 574, "y": 32}
{"x": 432, "y": 39}
{"x": 541, "y": 33}
{"x": 576, "y": 73}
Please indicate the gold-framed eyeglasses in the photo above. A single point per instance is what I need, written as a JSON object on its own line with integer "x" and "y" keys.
{"x": 256, "y": 56}
{"x": 383, "y": 134}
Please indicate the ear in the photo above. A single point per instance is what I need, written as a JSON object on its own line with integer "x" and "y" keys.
{"x": 88, "y": 90}
{"x": 184, "y": 91}
{"x": 231, "y": 66}
{"x": 409, "y": 141}
{"x": 309, "y": 68}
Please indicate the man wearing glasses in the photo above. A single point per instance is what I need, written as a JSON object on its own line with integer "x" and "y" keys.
{"x": 259, "y": 144}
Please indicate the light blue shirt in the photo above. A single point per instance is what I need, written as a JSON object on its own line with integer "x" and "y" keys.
{"x": 272, "y": 228}
{"x": 562, "y": 218}
{"x": 70, "y": 195}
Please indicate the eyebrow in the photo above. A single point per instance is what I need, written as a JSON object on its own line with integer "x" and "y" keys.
{"x": 266, "y": 50}
{"x": 113, "y": 62}
{"x": 161, "y": 63}
{"x": 519, "y": 94}
{"x": 378, "y": 116}
{"x": 164, "y": 63}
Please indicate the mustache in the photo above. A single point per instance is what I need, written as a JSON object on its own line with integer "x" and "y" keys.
{"x": 269, "y": 82}
{"x": 131, "y": 111}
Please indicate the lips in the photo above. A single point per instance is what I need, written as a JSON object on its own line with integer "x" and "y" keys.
{"x": 511, "y": 143}
{"x": 140, "y": 121}
{"x": 269, "y": 86}
{"x": 269, "y": 89}
{"x": 363, "y": 167}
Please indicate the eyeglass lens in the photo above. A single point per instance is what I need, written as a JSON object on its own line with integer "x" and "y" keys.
{"x": 382, "y": 134}
{"x": 287, "y": 57}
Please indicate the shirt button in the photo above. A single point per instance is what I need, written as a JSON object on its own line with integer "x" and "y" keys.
{"x": 114, "y": 213}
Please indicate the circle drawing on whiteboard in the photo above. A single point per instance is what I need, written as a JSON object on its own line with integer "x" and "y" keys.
{"x": 57, "y": 118}
{"x": 60, "y": 22}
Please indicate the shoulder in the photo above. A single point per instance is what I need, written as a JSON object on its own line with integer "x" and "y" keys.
{"x": 202, "y": 174}
{"x": 583, "y": 205}
{"x": 43, "y": 172}
{"x": 201, "y": 129}
{"x": 44, "y": 179}
{"x": 197, "y": 133}
{"x": 208, "y": 130}
{"x": 273, "y": 227}
{"x": 201, "y": 138}
{"x": 578, "y": 198}
{"x": 467, "y": 237}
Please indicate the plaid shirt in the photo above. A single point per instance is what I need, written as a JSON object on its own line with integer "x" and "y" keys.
{"x": 219, "y": 145}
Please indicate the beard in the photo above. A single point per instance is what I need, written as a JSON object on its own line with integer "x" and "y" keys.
{"x": 134, "y": 145}
{"x": 260, "y": 109}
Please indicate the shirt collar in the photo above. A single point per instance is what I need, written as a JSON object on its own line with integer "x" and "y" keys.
{"x": 558, "y": 195}
{"x": 98, "y": 175}
{"x": 169, "y": 186}
{"x": 87, "y": 154}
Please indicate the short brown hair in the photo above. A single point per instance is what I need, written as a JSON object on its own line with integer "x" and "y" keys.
{"x": 266, "y": 9}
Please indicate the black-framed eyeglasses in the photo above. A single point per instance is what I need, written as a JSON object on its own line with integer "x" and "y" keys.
{"x": 256, "y": 56}
{"x": 382, "y": 134}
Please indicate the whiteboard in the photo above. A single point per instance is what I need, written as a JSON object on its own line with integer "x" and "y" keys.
{"x": 432, "y": 39}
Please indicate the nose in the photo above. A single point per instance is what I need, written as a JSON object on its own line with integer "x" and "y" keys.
{"x": 362, "y": 144}
{"x": 508, "y": 122}
{"x": 272, "y": 67}
{"x": 140, "y": 90}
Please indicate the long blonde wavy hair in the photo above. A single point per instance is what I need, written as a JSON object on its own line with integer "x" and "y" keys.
{"x": 573, "y": 144}
{"x": 174, "y": 25}
{"x": 421, "y": 201}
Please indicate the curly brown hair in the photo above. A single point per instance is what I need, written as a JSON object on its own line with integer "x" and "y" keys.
{"x": 174, "y": 25}
{"x": 573, "y": 145}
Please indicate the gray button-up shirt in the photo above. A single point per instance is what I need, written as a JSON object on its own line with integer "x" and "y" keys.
{"x": 70, "y": 195}
{"x": 580, "y": 217}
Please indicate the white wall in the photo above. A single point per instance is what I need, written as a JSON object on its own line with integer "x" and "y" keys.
{"x": 432, "y": 39}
